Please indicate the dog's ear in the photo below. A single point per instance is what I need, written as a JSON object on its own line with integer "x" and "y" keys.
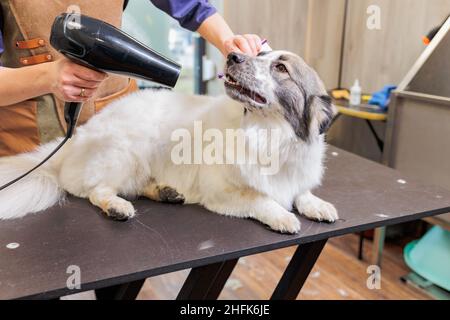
{"x": 323, "y": 112}
{"x": 296, "y": 112}
{"x": 315, "y": 117}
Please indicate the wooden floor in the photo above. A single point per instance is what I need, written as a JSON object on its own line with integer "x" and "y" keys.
{"x": 338, "y": 274}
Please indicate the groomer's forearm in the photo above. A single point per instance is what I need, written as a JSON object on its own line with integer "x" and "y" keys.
{"x": 215, "y": 30}
{"x": 20, "y": 84}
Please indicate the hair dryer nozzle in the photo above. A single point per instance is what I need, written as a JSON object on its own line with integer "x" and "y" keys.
{"x": 99, "y": 45}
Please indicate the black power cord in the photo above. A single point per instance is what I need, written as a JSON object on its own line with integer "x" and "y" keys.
{"x": 71, "y": 113}
{"x": 36, "y": 167}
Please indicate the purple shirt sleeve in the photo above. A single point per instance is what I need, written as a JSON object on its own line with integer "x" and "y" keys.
{"x": 189, "y": 13}
{"x": 1, "y": 46}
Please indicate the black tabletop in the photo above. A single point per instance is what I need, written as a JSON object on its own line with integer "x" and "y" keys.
{"x": 165, "y": 238}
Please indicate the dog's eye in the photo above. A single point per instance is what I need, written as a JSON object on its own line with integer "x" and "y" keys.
{"x": 281, "y": 68}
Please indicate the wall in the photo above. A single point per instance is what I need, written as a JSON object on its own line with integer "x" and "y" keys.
{"x": 297, "y": 26}
{"x": 314, "y": 29}
{"x": 379, "y": 57}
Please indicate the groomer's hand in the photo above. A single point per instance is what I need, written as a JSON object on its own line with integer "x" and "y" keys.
{"x": 249, "y": 44}
{"x": 72, "y": 82}
{"x": 217, "y": 32}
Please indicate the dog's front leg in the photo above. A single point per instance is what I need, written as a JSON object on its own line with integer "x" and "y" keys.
{"x": 251, "y": 204}
{"x": 315, "y": 208}
{"x": 114, "y": 206}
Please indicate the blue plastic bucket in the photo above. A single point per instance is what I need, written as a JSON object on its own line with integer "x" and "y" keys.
{"x": 429, "y": 256}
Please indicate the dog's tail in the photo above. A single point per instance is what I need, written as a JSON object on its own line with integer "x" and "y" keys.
{"x": 36, "y": 192}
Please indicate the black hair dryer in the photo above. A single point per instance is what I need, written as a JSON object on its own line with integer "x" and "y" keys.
{"x": 101, "y": 46}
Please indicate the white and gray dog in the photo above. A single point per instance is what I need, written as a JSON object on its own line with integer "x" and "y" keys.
{"x": 132, "y": 148}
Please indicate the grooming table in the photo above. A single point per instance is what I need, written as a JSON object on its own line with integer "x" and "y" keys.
{"x": 115, "y": 258}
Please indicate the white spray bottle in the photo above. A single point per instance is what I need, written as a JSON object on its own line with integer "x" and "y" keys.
{"x": 355, "y": 94}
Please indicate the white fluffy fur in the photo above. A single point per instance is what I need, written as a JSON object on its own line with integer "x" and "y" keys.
{"x": 34, "y": 193}
{"x": 127, "y": 148}
{"x": 120, "y": 149}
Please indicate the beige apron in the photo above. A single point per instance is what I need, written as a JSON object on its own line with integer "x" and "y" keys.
{"x": 26, "y": 42}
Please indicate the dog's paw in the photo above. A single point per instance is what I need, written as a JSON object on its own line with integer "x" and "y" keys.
{"x": 316, "y": 209}
{"x": 170, "y": 195}
{"x": 163, "y": 193}
{"x": 285, "y": 223}
{"x": 120, "y": 210}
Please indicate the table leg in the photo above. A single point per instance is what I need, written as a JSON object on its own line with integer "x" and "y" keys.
{"x": 378, "y": 244}
{"x": 297, "y": 271}
{"x": 361, "y": 246}
{"x": 126, "y": 291}
{"x": 206, "y": 283}
{"x": 380, "y": 142}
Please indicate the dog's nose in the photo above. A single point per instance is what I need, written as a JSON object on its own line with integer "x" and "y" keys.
{"x": 235, "y": 57}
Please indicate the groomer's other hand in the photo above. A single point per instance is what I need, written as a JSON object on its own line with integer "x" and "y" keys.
{"x": 67, "y": 79}
{"x": 249, "y": 44}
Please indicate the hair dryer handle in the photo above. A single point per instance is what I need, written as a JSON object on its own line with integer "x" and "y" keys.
{"x": 71, "y": 112}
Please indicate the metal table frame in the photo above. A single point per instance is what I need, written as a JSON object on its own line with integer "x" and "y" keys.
{"x": 207, "y": 282}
